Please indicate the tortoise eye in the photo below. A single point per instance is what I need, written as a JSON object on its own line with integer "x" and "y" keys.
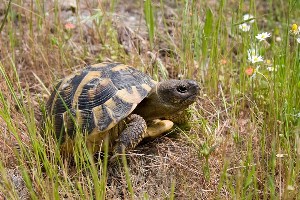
{"x": 182, "y": 89}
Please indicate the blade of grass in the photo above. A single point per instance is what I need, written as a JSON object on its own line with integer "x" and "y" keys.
{"x": 127, "y": 175}
{"x": 148, "y": 12}
{"x": 5, "y": 17}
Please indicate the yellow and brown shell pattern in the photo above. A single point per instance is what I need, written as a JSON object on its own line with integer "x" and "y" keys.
{"x": 96, "y": 98}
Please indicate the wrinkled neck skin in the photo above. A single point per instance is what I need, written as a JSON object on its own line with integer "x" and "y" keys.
{"x": 152, "y": 107}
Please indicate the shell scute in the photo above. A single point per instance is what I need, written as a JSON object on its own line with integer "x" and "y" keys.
{"x": 102, "y": 118}
{"x": 95, "y": 93}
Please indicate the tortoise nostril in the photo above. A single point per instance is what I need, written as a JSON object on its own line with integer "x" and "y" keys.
{"x": 194, "y": 85}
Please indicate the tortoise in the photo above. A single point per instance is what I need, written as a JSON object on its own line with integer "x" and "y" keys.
{"x": 118, "y": 102}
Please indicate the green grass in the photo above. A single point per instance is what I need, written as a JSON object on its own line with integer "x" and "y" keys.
{"x": 244, "y": 141}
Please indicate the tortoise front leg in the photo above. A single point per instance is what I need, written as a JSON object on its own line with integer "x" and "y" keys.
{"x": 132, "y": 135}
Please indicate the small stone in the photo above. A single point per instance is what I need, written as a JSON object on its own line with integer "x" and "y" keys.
{"x": 68, "y": 5}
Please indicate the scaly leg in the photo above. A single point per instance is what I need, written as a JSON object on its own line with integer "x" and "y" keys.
{"x": 132, "y": 135}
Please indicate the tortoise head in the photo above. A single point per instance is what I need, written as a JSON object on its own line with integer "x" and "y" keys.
{"x": 167, "y": 98}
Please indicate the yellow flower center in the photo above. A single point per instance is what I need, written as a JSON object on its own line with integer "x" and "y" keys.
{"x": 294, "y": 27}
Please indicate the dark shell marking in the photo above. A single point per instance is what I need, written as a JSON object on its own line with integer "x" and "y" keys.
{"x": 97, "y": 98}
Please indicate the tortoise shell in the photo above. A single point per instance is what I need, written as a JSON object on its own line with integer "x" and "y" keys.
{"x": 97, "y": 98}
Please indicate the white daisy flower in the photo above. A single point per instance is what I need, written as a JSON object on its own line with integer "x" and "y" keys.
{"x": 298, "y": 40}
{"x": 247, "y": 17}
{"x": 271, "y": 69}
{"x": 263, "y": 36}
{"x": 244, "y": 27}
{"x": 253, "y": 57}
{"x": 256, "y": 59}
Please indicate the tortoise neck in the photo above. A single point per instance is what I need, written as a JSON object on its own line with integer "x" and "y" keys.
{"x": 153, "y": 107}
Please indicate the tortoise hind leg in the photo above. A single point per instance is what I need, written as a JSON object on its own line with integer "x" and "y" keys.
{"x": 132, "y": 135}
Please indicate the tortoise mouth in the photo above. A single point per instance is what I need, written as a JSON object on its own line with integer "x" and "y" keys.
{"x": 191, "y": 99}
